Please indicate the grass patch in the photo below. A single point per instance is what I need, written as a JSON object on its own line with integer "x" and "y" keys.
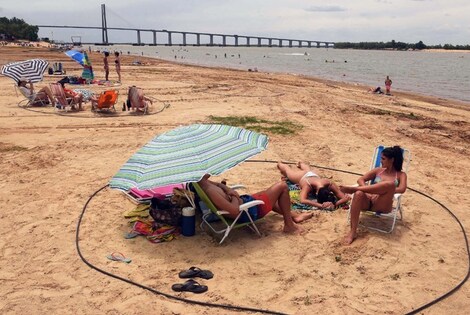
{"x": 380, "y": 112}
{"x": 12, "y": 148}
{"x": 259, "y": 125}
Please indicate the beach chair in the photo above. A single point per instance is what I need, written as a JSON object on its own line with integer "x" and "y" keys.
{"x": 63, "y": 102}
{"x": 30, "y": 101}
{"x": 138, "y": 101}
{"x": 105, "y": 101}
{"x": 396, "y": 213}
{"x": 227, "y": 224}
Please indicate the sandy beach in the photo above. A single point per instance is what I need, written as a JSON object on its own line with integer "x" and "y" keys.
{"x": 52, "y": 162}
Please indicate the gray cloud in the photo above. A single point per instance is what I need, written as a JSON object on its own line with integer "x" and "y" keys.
{"x": 325, "y": 8}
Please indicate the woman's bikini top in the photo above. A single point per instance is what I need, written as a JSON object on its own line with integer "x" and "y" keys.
{"x": 378, "y": 179}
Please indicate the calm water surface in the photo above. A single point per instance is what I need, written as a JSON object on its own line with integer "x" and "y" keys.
{"x": 445, "y": 75}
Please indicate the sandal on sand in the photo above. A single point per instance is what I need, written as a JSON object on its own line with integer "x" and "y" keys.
{"x": 118, "y": 257}
{"x": 189, "y": 286}
{"x": 196, "y": 272}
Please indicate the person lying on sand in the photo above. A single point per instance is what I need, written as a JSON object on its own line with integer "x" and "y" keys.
{"x": 378, "y": 197}
{"x": 275, "y": 198}
{"x": 328, "y": 194}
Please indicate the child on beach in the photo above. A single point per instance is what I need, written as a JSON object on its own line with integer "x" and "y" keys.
{"x": 388, "y": 180}
{"x": 328, "y": 193}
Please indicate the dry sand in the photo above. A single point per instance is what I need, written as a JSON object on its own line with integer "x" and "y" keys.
{"x": 52, "y": 163}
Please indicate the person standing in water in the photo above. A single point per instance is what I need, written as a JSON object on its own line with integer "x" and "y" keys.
{"x": 388, "y": 85}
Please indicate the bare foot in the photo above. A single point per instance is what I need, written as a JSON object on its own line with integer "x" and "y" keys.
{"x": 348, "y": 189}
{"x": 296, "y": 230}
{"x": 301, "y": 217}
{"x": 348, "y": 239}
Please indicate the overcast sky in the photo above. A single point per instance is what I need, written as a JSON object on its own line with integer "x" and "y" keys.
{"x": 432, "y": 21}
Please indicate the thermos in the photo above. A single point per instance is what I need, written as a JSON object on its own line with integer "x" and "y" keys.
{"x": 188, "y": 222}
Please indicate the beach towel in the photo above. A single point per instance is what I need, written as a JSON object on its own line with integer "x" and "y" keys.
{"x": 155, "y": 233}
{"x": 294, "y": 193}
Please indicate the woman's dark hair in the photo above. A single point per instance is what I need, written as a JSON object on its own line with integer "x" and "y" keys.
{"x": 116, "y": 53}
{"x": 396, "y": 153}
{"x": 325, "y": 194}
{"x": 106, "y": 54}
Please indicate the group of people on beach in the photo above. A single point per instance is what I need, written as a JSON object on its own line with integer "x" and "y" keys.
{"x": 387, "y": 180}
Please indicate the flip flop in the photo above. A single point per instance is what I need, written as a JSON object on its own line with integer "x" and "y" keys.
{"x": 118, "y": 257}
{"x": 189, "y": 286}
{"x": 196, "y": 272}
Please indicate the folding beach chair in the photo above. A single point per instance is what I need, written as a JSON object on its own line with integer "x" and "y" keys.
{"x": 63, "y": 102}
{"x": 29, "y": 101}
{"x": 105, "y": 101}
{"x": 396, "y": 212}
{"x": 227, "y": 224}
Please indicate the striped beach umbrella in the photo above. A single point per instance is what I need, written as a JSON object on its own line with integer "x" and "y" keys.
{"x": 32, "y": 69}
{"x": 185, "y": 154}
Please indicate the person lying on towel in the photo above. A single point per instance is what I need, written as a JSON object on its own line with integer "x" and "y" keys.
{"x": 328, "y": 193}
{"x": 275, "y": 198}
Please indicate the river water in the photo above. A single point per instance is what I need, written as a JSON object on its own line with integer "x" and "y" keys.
{"x": 440, "y": 74}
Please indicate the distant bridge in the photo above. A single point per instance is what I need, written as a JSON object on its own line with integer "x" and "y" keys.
{"x": 200, "y": 39}
{"x": 203, "y": 39}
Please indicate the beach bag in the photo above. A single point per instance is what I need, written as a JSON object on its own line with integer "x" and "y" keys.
{"x": 180, "y": 197}
{"x": 164, "y": 212}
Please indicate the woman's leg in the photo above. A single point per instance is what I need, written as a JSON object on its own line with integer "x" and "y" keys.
{"x": 293, "y": 175}
{"x": 278, "y": 195}
{"x": 380, "y": 196}
{"x": 45, "y": 90}
{"x": 360, "y": 202}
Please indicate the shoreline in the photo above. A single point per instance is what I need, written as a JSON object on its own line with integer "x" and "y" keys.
{"x": 51, "y": 165}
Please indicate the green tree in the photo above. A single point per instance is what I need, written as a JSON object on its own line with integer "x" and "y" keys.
{"x": 15, "y": 28}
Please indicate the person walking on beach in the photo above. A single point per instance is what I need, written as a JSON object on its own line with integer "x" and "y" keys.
{"x": 118, "y": 65}
{"x": 106, "y": 66}
{"x": 388, "y": 85}
{"x": 388, "y": 180}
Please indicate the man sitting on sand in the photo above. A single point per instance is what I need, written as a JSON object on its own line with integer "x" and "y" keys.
{"x": 275, "y": 198}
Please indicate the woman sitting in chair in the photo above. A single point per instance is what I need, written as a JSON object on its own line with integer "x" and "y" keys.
{"x": 41, "y": 96}
{"x": 385, "y": 182}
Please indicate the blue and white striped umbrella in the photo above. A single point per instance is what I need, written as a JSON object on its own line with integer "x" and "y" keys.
{"x": 32, "y": 69}
{"x": 185, "y": 154}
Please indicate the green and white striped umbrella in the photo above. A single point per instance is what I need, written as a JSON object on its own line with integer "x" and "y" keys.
{"x": 185, "y": 154}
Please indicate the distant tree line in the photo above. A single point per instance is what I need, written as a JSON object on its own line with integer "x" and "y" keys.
{"x": 397, "y": 46}
{"x": 13, "y": 29}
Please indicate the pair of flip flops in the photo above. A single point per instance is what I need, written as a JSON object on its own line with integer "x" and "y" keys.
{"x": 192, "y": 285}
